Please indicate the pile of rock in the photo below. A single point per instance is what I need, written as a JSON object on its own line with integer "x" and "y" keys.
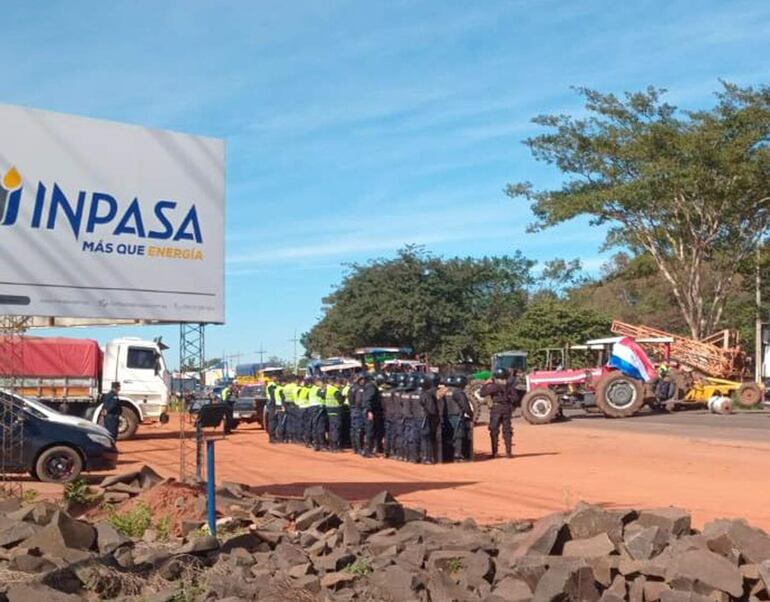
{"x": 119, "y": 488}
{"x": 319, "y": 547}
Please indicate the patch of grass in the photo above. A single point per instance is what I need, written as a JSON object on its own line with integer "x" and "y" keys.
{"x": 132, "y": 523}
{"x": 29, "y": 496}
{"x": 163, "y": 528}
{"x": 454, "y": 565}
{"x": 78, "y": 492}
{"x": 360, "y": 568}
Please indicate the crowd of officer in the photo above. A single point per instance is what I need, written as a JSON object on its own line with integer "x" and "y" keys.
{"x": 413, "y": 417}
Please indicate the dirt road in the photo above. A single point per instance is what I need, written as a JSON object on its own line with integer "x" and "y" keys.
{"x": 606, "y": 462}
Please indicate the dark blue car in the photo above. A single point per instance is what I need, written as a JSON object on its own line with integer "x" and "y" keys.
{"x": 48, "y": 445}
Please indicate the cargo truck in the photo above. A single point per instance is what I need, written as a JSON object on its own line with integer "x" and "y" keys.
{"x": 70, "y": 375}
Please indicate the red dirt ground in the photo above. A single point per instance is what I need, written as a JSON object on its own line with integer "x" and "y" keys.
{"x": 555, "y": 467}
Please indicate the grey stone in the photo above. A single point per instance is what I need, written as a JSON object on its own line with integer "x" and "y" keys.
{"x": 249, "y": 542}
{"x": 14, "y": 532}
{"x": 587, "y": 521}
{"x": 412, "y": 514}
{"x": 320, "y": 496}
{"x": 63, "y": 532}
{"x": 563, "y": 583}
{"x": 675, "y": 521}
{"x": 200, "y": 545}
{"x": 642, "y": 543}
{"x": 546, "y": 537}
{"x": 124, "y": 557}
{"x": 335, "y": 561}
{"x": 677, "y": 596}
{"x": 327, "y": 522}
{"x": 287, "y": 555}
{"x": 24, "y": 592}
{"x": 392, "y": 514}
{"x": 442, "y": 587}
{"x": 300, "y": 570}
{"x": 708, "y": 568}
{"x": 512, "y": 589}
{"x": 397, "y": 582}
{"x": 27, "y": 563}
{"x": 337, "y": 581}
{"x": 383, "y": 497}
{"x": 108, "y": 539}
{"x": 654, "y": 590}
{"x": 306, "y": 519}
{"x": 753, "y": 544}
{"x": 413, "y": 555}
{"x": 351, "y": 535}
{"x": 764, "y": 574}
{"x": 636, "y": 591}
{"x": 594, "y": 547}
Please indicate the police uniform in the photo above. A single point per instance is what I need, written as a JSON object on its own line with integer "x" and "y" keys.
{"x": 357, "y": 427}
{"x": 318, "y": 417}
{"x": 428, "y": 423}
{"x": 457, "y": 411}
{"x": 270, "y": 389}
{"x": 112, "y": 410}
{"x": 334, "y": 401}
{"x": 504, "y": 397}
{"x": 372, "y": 414}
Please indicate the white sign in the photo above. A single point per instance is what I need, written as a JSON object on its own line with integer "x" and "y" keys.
{"x": 105, "y": 220}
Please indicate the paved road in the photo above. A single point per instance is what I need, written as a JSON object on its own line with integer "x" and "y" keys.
{"x": 701, "y": 424}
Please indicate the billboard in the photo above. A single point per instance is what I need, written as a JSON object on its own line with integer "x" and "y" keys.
{"x": 105, "y": 220}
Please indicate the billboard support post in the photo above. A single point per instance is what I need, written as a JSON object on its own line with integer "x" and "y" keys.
{"x": 192, "y": 353}
{"x": 11, "y": 413}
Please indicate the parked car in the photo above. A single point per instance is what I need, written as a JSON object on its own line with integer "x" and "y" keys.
{"x": 250, "y": 405}
{"x": 51, "y": 446}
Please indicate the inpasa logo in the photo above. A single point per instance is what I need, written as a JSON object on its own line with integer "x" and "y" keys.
{"x": 10, "y": 197}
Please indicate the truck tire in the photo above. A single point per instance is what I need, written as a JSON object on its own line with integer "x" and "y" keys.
{"x": 619, "y": 396}
{"x": 58, "y": 464}
{"x": 749, "y": 394}
{"x": 540, "y": 406}
{"x": 129, "y": 422}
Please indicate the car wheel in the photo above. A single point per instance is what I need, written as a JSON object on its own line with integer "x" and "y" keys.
{"x": 59, "y": 464}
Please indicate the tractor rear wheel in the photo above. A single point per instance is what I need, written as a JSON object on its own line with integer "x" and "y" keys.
{"x": 540, "y": 406}
{"x": 749, "y": 394}
{"x": 619, "y": 396}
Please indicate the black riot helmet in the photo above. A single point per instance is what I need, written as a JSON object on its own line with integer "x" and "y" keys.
{"x": 425, "y": 381}
{"x": 434, "y": 378}
{"x": 380, "y": 379}
{"x": 401, "y": 379}
{"x": 501, "y": 373}
{"x": 362, "y": 377}
{"x": 460, "y": 381}
{"x": 447, "y": 380}
{"x": 392, "y": 379}
{"x": 412, "y": 381}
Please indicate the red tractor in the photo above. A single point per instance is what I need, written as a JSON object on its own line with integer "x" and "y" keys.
{"x": 596, "y": 387}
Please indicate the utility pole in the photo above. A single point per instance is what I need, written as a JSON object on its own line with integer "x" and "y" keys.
{"x": 261, "y": 353}
{"x": 758, "y": 322}
{"x": 295, "y": 340}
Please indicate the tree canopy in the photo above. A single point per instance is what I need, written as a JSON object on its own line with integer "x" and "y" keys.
{"x": 444, "y": 308}
{"x": 688, "y": 188}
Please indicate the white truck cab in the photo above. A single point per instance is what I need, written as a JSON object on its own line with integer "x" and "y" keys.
{"x": 139, "y": 367}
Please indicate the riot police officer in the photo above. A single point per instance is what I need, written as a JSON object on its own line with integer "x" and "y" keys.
{"x": 504, "y": 397}
{"x": 372, "y": 415}
{"x": 458, "y": 412}
{"x": 357, "y": 425}
{"x": 425, "y": 417}
{"x": 333, "y": 401}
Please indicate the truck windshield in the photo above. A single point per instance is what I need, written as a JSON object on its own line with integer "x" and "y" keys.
{"x": 142, "y": 358}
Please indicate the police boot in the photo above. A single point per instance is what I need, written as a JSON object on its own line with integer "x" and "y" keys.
{"x": 494, "y": 449}
{"x": 508, "y": 452}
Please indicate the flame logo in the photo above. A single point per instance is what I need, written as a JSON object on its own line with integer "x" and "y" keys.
{"x": 12, "y": 179}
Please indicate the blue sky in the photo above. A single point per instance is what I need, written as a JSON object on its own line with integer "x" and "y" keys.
{"x": 356, "y": 127}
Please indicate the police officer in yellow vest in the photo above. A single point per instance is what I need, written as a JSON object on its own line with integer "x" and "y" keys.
{"x": 317, "y": 415}
{"x": 288, "y": 411}
{"x": 303, "y": 403}
{"x": 334, "y": 402}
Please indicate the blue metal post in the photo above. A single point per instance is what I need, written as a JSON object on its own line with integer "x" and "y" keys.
{"x": 211, "y": 497}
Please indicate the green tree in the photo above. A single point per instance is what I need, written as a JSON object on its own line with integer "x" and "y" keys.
{"x": 444, "y": 308}
{"x": 690, "y": 188}
{"x": 549, "y": 322}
